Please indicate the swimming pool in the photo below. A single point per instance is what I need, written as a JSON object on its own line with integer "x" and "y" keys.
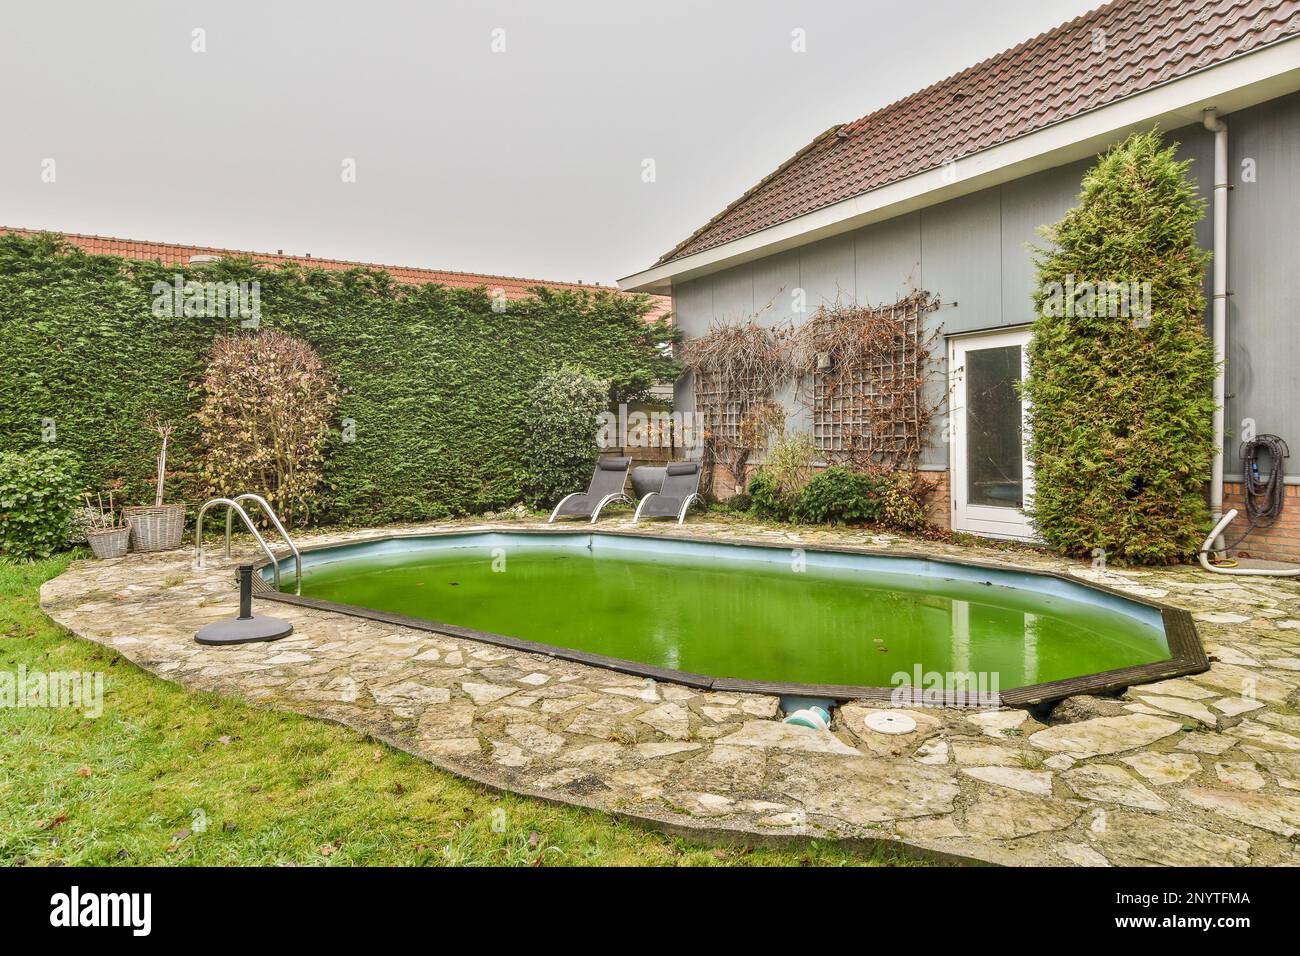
{"x": 780, "y": 619}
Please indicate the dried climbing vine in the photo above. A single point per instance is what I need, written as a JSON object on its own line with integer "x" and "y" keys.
{"x": 736, "y": 368}
{"x": 861, "y": 372}
{"x": 862, "y": 375}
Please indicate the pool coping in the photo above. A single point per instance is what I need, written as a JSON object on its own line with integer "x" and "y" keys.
{"x": 1187, "y": 654}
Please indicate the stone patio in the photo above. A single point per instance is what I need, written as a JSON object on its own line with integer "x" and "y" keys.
{"x": 1203, "y": 770}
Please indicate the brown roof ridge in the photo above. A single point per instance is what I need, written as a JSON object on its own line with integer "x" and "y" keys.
{"x": 754, "y": 188}
{"x": 1042, "y": 81}
{"x": 305, "y": 259}
{"x": 863, "y": 121}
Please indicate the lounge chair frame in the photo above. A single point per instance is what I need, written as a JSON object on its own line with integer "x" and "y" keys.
{"x": 681, "y": 515}
{"x": 607, "y": 500}
{"x": 610, "y": 498}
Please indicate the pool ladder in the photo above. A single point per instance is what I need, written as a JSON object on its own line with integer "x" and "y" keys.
{"x": 233, "y": 507}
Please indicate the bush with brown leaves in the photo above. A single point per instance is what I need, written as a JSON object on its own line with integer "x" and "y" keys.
{"x": 267, "y": 404}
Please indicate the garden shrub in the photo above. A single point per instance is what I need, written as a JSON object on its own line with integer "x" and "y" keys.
{"x": 766, "y": 498}
{"x": 839, "y": 496}
{"x": 433, "y": 382}
{"x": 740, "y": 501}
{"x": 560, "y": 425}
{"x": 774, "y": 487}
{"x": 267, "y": 406}
{"x": 904, "y": 495}
{"x": 38, "y": 497}
{"x": 1121, "y": 406}
{"x": 791, "y": 462}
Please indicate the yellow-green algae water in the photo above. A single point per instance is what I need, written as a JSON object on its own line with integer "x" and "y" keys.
{"x": 815, "y": 619}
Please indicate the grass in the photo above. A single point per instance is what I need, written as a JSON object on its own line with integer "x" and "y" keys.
{"x": 169, "y": 777}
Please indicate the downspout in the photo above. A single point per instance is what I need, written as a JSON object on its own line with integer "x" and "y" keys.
{"x": 1220, "y": 335}
{"x": 1220, "y": 310}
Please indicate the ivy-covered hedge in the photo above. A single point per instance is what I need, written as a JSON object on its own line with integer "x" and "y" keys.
{"x": 435, "y": 381}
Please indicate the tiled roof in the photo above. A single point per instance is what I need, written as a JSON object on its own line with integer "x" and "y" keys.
{"x": 1053, "y": 77}
{"x": 169, "y": 253}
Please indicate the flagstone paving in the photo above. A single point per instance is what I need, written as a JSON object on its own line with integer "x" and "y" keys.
{"x": 1203, "y": 770}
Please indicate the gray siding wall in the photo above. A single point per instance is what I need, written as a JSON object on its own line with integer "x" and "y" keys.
{"x": 974, "y": 254}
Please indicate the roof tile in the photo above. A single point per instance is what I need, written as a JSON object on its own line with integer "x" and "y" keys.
{"x": 1052, "y": 77}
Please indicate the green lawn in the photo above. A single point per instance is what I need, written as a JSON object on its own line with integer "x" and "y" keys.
{"x": 166, "y": 776}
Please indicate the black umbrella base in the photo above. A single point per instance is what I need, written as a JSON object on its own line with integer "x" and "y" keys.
{"x": 244, "y": 630}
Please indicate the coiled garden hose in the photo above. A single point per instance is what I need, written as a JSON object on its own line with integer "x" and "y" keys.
{"x": 1265, "y": 497}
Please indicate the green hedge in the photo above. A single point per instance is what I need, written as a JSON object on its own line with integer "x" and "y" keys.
{"x": 559, "y": 441}
{"x": 435, "y": 380}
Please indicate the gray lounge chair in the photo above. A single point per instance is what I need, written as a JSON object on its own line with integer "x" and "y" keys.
{"x": 680, "y": 490}
{"x": 606, "y": 486}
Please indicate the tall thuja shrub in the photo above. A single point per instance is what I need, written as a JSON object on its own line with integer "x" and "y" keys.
{"x": 1120, "y": 389}
{"x": 560, "y": 426}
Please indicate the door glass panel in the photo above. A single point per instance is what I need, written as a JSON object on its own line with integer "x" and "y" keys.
{"x": 994, "y": 465}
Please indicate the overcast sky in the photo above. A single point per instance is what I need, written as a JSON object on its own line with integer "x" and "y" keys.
{"x": 523, "y": 162}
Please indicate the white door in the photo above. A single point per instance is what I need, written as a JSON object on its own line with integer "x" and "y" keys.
{"x": 992, "y": 483}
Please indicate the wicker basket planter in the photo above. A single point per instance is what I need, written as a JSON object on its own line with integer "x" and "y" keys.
{"x": 109, "y": 543}
{"x": 156, "y": 528}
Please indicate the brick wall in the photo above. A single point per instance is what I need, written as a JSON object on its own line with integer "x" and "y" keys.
{"x": 1280, "y": 542}
{"x": 724, "y": 485}
{"x": 940, "y": 505}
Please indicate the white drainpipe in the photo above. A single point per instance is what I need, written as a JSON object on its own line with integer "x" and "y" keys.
{"x": 1220, "y": 319}
{"x": 1221, "y": 520}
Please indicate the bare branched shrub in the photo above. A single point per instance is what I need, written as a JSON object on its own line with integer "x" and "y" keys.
{"x": 863, "y": 373}
{"x": 791, "y": 463}
{"x": 744, "y": 355}
{"x": 736, "y": 369}
{"x": 762, "y": 424}
{"x": 267, "y": 404}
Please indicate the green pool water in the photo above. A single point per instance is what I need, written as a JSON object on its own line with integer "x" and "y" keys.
{"x": 830, "y": 622}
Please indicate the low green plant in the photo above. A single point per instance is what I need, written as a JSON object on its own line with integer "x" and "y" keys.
{"x": 775, "y": 486}
{"x": 840, "y": 496}
{"x": 791, "y": 462}
{"x": 560, "y": 425}
{"x": 740, "y": 501}
{"x": 766, "y": 499}
{"x": 38, "y": 496}
{"x": 904, "y": 495}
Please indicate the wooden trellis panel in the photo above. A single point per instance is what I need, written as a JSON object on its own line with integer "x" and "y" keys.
{"x": 724, "y": 406}
{"x": 869, "y": 409}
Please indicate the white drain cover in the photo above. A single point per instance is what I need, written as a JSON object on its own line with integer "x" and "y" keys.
{"x": 889, "y": 722}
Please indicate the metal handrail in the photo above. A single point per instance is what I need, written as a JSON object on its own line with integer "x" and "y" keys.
{"x": 243, "y": 515}
{"x": 279, "y": 526}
